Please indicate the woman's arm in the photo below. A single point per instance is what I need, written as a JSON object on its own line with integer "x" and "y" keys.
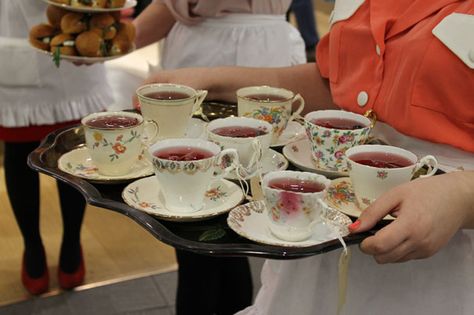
{"x": 223, "y": 82}
{"x": 153, "y": 24}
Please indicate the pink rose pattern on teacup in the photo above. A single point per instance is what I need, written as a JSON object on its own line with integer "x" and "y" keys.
{"x": 328, "y": 146}
{"x": 288, "y": 205}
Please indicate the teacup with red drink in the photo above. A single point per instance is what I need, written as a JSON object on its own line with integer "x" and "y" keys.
{"x": 186, "y": 167}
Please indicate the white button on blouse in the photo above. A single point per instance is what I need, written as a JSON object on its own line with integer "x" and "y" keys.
{"x": 377, "y": 49}
{"x": 362, "y": 98}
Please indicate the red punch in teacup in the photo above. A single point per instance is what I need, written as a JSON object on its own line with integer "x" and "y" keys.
{"x": 294, "y": 203}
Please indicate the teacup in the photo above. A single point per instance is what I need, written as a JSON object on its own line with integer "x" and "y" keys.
{"x": 331, "y": 133}
{"x": 186, "y": 167}
{"x": 270, "y": 104}
{"x": 170, "y": 106}
{"x": 250, "y": 137}
{"x": 115, "y": 140}
{"x": 375, "y": 169}
{"x": 294, "y": 203}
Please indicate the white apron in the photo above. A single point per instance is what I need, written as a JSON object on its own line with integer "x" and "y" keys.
{"x": 440, "y": 285}
{"x": 32, "y": 90}
{"x": 252, "y": 40}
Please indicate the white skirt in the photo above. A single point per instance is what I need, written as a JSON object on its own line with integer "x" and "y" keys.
{"x": 251, "y": 40}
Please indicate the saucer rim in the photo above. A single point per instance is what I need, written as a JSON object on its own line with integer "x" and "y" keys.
{"x": 279, "y": 242}
{"x": 185, "y": 216}
{"x": 101, "y": 179}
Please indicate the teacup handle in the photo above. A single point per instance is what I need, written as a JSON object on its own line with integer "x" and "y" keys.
{"x": 234, "y": 157}
{"x": 296, "y": 114}
{"x": 429, "y": 161}
{"x": 324, "y": 210}
{"x": 197, "y": 108}
{"x": 372, "y": 116}
{"x": 254, "y": 160}
{"x": 151, "y": 136}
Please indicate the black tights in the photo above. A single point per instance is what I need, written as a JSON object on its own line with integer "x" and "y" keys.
{"x": 24, "y": 192}
{"x": 212, "y": 285}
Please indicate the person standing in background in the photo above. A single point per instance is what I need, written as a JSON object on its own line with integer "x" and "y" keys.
{"x": 303, "y": 11}
{"x": 37, "y": 98}
{"x": 206, "y": 33}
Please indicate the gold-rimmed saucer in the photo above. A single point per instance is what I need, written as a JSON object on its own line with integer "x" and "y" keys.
{"x": 144, "y": 195}
{"x": 250, "y": 221}
{"x": 78, "y": 162}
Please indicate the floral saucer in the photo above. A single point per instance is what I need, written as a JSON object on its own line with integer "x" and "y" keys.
{"x": 144, "y": 194}
{"x": 299, "y": 154}
{"x": 340, "y": 196}
{"x": 79, "y": 163}
{"x": 250, "y": 221}
{"x": 271, "y": 161}
{"x": 293, "y": 132}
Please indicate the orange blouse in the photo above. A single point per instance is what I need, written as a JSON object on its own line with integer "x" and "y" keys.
{"x": 385, "y": 57}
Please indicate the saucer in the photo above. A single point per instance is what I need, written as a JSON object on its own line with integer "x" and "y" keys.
{"x": 293, "y": 132}
{"x": 143, "y": 194}
{"x": 271, "y": 161}
{"x": 128, "y": 4}
{"x": 250, "y": 221}
{"x": 340, "y": 196}
{"x": 79, "y": 163}
{"x": 299, "y": 154}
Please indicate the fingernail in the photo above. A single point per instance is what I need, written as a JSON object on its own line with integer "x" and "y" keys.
{"x": 354, "y": 226}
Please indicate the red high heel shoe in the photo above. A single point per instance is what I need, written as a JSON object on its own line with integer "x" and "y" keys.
{"x": 35, "y": 286}
{"x": 68, "y": 281}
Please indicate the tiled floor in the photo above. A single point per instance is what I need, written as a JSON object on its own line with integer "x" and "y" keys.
{"x": 148, "y": 295}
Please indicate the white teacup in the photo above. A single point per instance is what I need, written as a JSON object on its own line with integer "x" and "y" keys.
{"x": 170, "y": 106}
{"x": 293, "y": 213}
{"x": 328, "y": 144}
{"x": 115, "y": 140}
{"x": 250, "y": 147}
{"x": 371, "y": 179}
{"x": 271, "y": 104}
{"x": 184, "y": 183}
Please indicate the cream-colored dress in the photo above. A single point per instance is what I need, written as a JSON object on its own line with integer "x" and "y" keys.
{"x": 32, "y": 90}
{"x": 231, "y": 32}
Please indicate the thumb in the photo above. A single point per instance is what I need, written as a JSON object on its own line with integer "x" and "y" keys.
{"x": 385, "y": 204}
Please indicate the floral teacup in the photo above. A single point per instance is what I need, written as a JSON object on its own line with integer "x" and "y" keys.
{"x": 375, "y": 169}
{"x": 294, "y": 203}
{"x": 186, "y": 167}
{"x": 328, "y": 145}
{"x": 271, "y": 104}
{"x": 115, "y": 140}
